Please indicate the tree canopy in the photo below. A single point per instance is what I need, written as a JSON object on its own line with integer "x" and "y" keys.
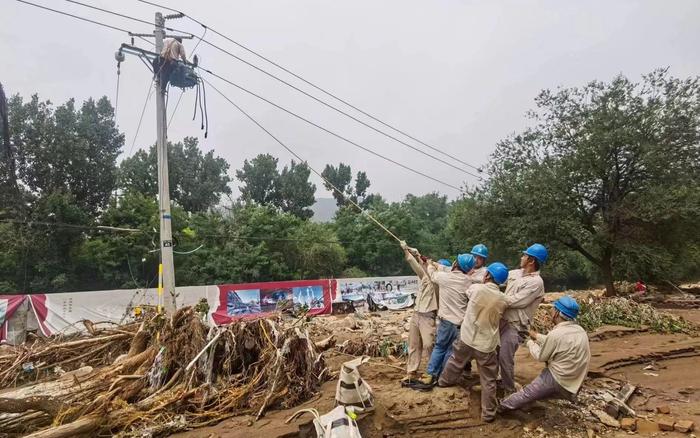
{"x": 197, "y": 181}
{"x": 606, "y": 175}
{"x": 609, "y": 170}
{"x": 290, "y": 190}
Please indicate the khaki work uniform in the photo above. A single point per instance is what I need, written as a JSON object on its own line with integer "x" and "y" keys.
{"x": 567, "y": 353}
{"x": 479, "y": 339}
{"x": 524, "y": 293}
{"x": 421, "y": 328}
{"x": 452, "y": 294}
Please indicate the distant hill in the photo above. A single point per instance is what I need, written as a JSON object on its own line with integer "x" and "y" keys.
{"x": 324, "y": 209}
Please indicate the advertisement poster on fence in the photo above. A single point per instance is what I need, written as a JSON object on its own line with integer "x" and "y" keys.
{"x": 241, "y": 301}
{"x": 391, "y": 293}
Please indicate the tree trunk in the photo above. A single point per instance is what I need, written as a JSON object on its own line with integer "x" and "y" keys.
{"x": 81, "y": 427}
{"x": 606, "y": 270}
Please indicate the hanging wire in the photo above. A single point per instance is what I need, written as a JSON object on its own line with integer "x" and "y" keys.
{"x": 143, "y": 111}
{"x": 271, "y": 75}
{"x": 116, "y": 98}
{"x": 291, "y": 151}
{"x": 328, "y": 131}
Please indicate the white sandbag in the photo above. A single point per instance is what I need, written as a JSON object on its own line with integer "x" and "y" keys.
{"x": 351, "y": 389}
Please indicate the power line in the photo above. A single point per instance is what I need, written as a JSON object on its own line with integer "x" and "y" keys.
{"x": 31, "y": 223}
{"x": 271, "y": 103}
{"x": 143, "y": 111}
{"x": 198, "y": 234}
{"x": 269, "y": 74}
{"x": 340, "y": 111}
{"x": 109, "y": 26}
{"x": 313, "y": 124}
{"x": 328, "y": 183}
{"x": 328, "y": 93}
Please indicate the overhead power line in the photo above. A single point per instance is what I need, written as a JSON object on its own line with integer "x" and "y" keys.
{"x": 77, "y": 17}
{"x": 317, "y": 87}
{"x": 262, "y": 98}
{"x": 311, "y": 96}
{"x": 384, "y": 157}
{"x": 328, "y": 183}
{"x": 229, "y": 236}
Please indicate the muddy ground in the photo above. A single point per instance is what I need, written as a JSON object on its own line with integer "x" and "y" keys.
{"x": 664, "y": 367}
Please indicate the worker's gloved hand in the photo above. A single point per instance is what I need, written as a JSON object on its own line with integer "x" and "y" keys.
{"x": 404, "y": 245}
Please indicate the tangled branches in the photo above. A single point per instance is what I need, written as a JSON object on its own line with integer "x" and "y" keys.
{"x": 618, "y": 311}
{"x": 167, "y": 380}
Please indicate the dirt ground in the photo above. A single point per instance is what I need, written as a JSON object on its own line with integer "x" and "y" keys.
{"x": 664, "y": 367}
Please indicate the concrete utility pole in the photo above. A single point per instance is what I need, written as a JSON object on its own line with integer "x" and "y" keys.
{"x": 166, "y": 233}
{"x": 167, "y": 267}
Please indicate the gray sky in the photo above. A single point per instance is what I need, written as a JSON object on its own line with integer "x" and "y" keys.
{"x": 459, "y": 75}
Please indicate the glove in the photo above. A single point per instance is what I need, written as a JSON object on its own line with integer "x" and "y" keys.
{"x": 404, "y": 245}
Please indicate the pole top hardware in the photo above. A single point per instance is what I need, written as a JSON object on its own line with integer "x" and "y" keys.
{"x": 174, "y": 16}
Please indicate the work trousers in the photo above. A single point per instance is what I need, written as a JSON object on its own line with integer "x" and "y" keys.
{"x": 488, "y": 373}
{"x": 510, "y": 341}
{"x": 543, "y": 387}
{"x": 421, "y": 335}
{"x": 446, "y": 335}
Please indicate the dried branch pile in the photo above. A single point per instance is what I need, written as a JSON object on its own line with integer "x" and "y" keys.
{"x": 172, "y": 375}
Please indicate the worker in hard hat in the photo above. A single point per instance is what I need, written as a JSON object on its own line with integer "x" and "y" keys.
{"x": 480, "y": 253}
{"x": 566, "y": 352}
{"x": 452, "y": 304}
{"x": 479, "y": 338}
{"x": 524, "y": 293}
{"x": 421, "y": 329}
{"x": 172, "y": 52}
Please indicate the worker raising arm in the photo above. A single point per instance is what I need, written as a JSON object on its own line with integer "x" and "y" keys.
{"x": 421, "y": 331}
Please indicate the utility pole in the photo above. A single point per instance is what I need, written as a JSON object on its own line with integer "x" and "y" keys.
{"x": 166, "y": 233}
{"x": 166, "y": 268}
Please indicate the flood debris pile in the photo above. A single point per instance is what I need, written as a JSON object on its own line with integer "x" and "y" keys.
{"x": 366, "y": 334}
{"x": 628, "y": 313}
{"x": 171, "y": 374}
{"x": 596, "y": 313}
{"x": 35, "y": 360}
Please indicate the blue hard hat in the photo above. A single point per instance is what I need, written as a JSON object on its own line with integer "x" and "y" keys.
{"x": 498, "y": 271}
{"x": 480, "y": 250}
{"x": 537, "y": 251}
{"x": 466, "y": 262}
{"x": 567, "y": 306}
{"x": 445, "y": 262}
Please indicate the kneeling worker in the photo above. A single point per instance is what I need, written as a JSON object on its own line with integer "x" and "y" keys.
{"x": 567, "y": 354}
{"x": 479, "y": 338}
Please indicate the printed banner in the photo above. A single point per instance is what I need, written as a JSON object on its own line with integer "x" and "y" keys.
{"x": 386, "y": 292}
{"x": 238, "y": 301}
{"x": 63, "y": 312}
{"x": 8, "y": 306}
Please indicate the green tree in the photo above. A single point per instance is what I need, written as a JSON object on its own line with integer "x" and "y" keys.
{"x": 197, "y": 180}
{"x": 260, "y": 179}
{"x": 609, "y": 170}
{"x": 130, "y": 260}
{"x": 290, "y": 191}
{"x": 296, "y": 192}
{"x": 370, "y": 248}
{"x": 341, "y": 178}
{"x": 66, "y": 149}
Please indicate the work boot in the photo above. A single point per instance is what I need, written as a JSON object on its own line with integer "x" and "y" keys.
{"x": 426, "y": 383}
{"x": 409, "y": 380}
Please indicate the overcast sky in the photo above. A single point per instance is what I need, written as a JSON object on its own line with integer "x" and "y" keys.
{"x": 459, "y": 75}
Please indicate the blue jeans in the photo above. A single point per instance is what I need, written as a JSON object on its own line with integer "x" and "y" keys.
{"x": 442, "y": 350}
